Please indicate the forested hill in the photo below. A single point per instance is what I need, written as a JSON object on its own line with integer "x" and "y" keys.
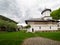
{"x": 6, "y": 19}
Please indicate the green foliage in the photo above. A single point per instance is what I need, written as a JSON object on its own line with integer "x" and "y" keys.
{"x": 56, "y": 14}
{"x": 28, "y": 26}
{"x": 11, "y": 26}
{"x": 8, "y": 26}
{"x": 6, "y": 19}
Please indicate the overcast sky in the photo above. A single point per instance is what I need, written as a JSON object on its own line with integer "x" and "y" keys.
{"x": 20, "y": 10}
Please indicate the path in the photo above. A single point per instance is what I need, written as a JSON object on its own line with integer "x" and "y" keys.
{"x": 40, "y": 41}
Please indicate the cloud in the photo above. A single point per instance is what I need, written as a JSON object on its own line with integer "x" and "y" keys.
{"x": 10, "y": 9}
{"x": 36, "y": 6}
{"x": 20, "y": 10}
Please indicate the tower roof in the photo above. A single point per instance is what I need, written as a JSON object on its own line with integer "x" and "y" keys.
{"x": 45, "y": 10}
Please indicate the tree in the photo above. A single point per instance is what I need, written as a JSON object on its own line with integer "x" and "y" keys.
{"x": 56, "y": 14}
{"x": 11, "y": 26}
{"x": 7, "y": 26}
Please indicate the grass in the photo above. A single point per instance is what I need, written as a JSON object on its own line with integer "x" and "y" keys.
{"x": 50, "y": 35}
{"x": 16, "y": 38}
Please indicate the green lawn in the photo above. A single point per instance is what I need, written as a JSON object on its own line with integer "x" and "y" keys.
{"x": 16, "y": 38}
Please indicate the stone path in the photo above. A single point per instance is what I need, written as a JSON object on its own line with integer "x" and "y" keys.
{"x": 40, "y": 41}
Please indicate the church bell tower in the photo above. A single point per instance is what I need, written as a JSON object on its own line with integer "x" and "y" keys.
{"x": 46, "y": 14}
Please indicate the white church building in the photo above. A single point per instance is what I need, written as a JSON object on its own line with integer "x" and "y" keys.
{"x": 46, "y": 23}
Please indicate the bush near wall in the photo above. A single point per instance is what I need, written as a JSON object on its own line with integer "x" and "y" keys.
{"x": 28, "y": 26}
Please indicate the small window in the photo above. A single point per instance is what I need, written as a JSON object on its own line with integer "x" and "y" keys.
{"x": 39, "y": 27}
{"x": 50, "y": 27}
{"x": 58, "y": 25}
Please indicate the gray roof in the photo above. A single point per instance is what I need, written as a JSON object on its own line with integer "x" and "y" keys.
{"x": 40, "y": 20}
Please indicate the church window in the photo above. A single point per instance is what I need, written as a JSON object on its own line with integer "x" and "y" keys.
{"x": 50, "y": 27}
{"x": 39, "y": 27}
{"x": 58, "y": 25}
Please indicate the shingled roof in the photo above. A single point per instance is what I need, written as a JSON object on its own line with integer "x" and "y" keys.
{"x": 39, "y": 20}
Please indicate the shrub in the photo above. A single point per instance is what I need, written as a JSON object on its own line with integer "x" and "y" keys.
{"x": 28, "y": 26}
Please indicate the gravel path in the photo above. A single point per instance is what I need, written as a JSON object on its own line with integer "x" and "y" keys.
{"x": 40, "y": 41}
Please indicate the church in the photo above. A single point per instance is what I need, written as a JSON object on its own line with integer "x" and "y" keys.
{"x": 46, "y": 23}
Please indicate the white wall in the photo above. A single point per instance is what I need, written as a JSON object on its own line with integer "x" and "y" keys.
{"x": 43, "y": 27}
{"x": 46, "y": 18}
